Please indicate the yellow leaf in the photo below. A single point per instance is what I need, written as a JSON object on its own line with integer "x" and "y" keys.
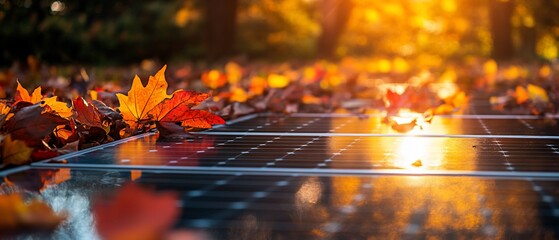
{"x": 277, "y": 81}
{"x": 537, "y": 94}
{"x": 23, "y": 95}
{"x": 61, "y": 108}
{"x": 15, "y": 151}
{"x": 141, "y": 100}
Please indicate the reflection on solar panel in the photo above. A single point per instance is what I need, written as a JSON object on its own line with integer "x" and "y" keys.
{"x": 320, "y": 176}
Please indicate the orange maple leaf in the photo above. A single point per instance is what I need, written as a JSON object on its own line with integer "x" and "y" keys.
{"x": 60, "y": 108}
{"x": 178, "y": 109}
{"x": 141, "y": 100}
{"x": 22, "y": 95}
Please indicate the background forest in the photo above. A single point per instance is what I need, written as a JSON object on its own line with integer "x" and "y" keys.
{"x": 124, "y": 32}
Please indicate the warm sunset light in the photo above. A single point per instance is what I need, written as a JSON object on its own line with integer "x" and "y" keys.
{"x": 279, "y": 119}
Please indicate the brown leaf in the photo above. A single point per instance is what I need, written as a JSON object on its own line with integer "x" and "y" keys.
{"x": 33, "y": 123}
{"x": 106, "y": 111}
{"x": 87, "y": 113}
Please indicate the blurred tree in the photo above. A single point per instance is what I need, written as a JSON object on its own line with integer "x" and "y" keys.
{"x": 278, "y": 29}
{"x": 500, "y": 14}
{"x": 221, "y": 22}
{"x": 334, "y": 17}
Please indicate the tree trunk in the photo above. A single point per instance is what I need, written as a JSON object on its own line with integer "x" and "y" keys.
{"x": 221, "y": 19}
{"x": 335, "y": 15}
{"x": 500, "y": 13}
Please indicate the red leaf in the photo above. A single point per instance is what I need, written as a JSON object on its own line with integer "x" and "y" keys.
{"x": 173, "y": 107}
{"x": 178, "y": 109}
{"x": 200, "y": 119}
{"x": 136, "y": 213}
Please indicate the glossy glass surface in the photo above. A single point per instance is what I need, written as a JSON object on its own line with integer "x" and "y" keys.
{"x": 229, "y": 206}
{"x": 308, "y": 200}
{"x": 334, "y": 150}
{"x": 447, "y": 125}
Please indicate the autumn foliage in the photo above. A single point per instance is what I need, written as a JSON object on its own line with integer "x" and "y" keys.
{"x": 36, "y": 127}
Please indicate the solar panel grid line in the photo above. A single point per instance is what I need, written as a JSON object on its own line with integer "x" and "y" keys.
{"x": 461, "y": 116}
{"x": 311, "y": 172}
{"x": 510, "y": 167}
{"x": 302, "y": 134}
{"x": 242, "y": 204}
{"x": 259, "y": 154}
{"x": 96, "y": 148}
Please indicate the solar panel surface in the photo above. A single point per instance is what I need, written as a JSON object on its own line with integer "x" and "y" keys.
{"x": 321, "y": 176}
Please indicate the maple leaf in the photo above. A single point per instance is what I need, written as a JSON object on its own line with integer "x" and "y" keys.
{"x": 200, "y": 119}
{"x": 173, "y": 107}
{"x": 140, "y": 100}
{"x": 22, "y": 95}
{"x": 178, "y": 109}
{"x": 136, "y": 213}
{"x": 15, "y": 152}
{"x": 61, "y": 108}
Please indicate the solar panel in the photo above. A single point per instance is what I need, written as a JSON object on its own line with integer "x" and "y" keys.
{"x": 332, "y": 176}
{"x": 335, "y": 207}
{"x": 341, "y": 124}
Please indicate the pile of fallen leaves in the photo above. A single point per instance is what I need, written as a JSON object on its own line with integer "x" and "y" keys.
{"x": 36, "y": 126}
{"x": 529, "y": 99}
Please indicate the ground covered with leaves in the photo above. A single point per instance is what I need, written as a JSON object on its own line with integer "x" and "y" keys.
{"x": 67, "y": 114}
